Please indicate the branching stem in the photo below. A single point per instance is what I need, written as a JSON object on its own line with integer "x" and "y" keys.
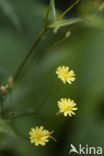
{"x": 46, "y": 28}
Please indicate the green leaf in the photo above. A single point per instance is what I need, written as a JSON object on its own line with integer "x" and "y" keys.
{"x": 6, "y": 129}
{"x": 53, "y": 9}
{"x": 67, "y": 22}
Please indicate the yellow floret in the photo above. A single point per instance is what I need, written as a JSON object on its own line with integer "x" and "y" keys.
{"x": 65, "y": 75}
{"x": 40, "y": 136}
{"x": 67, "y": 106}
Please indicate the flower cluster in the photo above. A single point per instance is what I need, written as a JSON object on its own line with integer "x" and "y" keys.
{"x": 39, "y": 135}
{"x": 66, "y": 106}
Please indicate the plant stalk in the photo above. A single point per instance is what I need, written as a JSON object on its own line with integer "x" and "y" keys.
{"x": 29, "y": 53}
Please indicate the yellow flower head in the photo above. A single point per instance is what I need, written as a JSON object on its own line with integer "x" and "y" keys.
{"x": 65, "y": 75}
{"x": 67, "y": 106}
{"x": 40, "y": 136}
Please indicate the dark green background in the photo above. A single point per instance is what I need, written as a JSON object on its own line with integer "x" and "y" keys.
{"x": 20, "y": 24}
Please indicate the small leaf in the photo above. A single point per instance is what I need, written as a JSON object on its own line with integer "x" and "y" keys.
{"x": 53, "y": 9}
{"x": 67, "y": 22}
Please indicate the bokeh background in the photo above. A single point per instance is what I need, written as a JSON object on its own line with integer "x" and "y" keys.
{"x": 20, "y": 24}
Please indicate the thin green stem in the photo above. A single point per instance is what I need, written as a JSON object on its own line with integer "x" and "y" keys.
{"x": 47, "y": 14}
{"x": 34, "y": 46}
{"x": 27, "y": 114}
{"x": 41, "y": 105}
{"x": 46, "y": 98}
{"x": 29, "y": 53}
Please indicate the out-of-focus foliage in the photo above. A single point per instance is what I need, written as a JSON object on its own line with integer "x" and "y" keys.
{"x": 20, "y": 25}
{"x": 7, "y": 11}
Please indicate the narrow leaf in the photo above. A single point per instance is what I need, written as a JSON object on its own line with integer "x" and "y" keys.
{"x": 67, "y": 22}
{"x": 53, "y": 9}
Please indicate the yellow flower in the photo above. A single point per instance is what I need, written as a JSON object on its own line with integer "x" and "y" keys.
{"x": 67, "y": 106}
{"x": 65, "y": 75}
{"x": 40, "y": 136}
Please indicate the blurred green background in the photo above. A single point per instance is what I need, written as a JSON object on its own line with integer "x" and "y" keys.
{"x": 20, "y": 24}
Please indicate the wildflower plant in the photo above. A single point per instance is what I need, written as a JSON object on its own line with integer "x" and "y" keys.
{"x": 39, "y": 135}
